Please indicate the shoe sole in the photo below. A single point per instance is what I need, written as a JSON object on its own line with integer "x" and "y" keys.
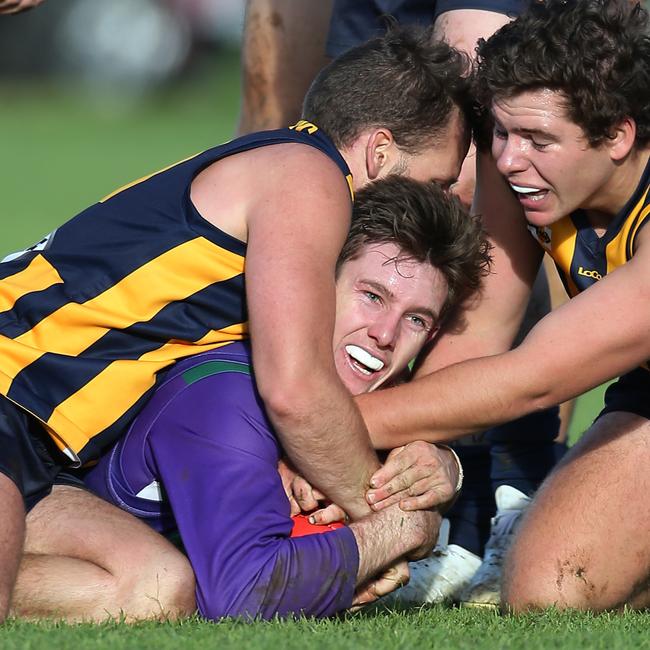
{"x": 470, "y": 605}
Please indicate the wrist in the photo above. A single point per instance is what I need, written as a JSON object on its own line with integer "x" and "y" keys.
{"x": 460, "y": 475}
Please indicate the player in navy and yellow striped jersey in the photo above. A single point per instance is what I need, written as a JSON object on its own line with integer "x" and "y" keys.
{"x": 568, "y": 86}
{"x": 238, "y": 241}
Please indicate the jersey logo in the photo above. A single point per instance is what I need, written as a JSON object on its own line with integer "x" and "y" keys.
{"x": 304, "y": 125}
{"x": 542, "y": 235}
{"x": 589, "y": 273}
{"x": 39, "y": 246}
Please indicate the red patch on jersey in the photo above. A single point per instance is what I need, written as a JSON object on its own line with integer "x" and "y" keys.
{"x": 302, "y": 527}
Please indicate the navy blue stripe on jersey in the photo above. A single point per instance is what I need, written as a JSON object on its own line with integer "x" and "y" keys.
{"x": 589, "y": 264}
{"x": 100, "y": 441}
{"x": 16, "y": 265}
{"x": 29, "y": 310}
{"x": 215, "y": 307}
{"x": 130, "y": 278}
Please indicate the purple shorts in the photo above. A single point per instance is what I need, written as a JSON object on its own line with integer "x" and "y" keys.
{"x": 201, "y": 459}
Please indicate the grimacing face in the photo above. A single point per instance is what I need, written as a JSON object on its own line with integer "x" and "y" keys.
{"x": 386, "y": 310}
{"x": 547, "y": 159}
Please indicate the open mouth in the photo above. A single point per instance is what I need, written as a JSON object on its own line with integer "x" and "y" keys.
{"x": 363, "y": 361}
{"x": 529, "y": 193}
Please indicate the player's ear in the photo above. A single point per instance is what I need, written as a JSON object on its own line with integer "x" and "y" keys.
{"x": 621, "y": 139}
{"x": 380, "y": 149}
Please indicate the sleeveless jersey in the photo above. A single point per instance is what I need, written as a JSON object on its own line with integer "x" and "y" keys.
{"x": 92, "y": 313}
{"x": 581, "y": 256}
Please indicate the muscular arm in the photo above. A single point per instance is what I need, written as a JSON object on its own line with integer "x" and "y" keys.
{"x": 295, "y": 231}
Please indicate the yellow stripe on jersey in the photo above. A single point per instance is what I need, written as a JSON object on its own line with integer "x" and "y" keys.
{"x": 637, "y": 226}
{"x": 348, "y": 178}
{"x": 174, "y": 275}
{"x": 38, "y": 275}
{"x": 81, "y": 407}
{"x": 563, "y": 245}
{"x": 235, "y": 332}
{"x": 147, "y": 177}
{"x": 616, "y": 252}
{"x": 304, "y": 125}
{"x": 14, "y": 359}
{"x": 180, "y": 349}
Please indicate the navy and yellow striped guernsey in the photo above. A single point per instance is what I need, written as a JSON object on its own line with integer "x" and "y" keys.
{"x": 92, "y": 313}
{"x": 581, "y": 256}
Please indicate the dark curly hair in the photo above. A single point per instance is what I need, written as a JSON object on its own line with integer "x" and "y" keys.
{"x": 595, "y": 52}
{"x": 427, "y": 225}
{"x": 404, "y": 81}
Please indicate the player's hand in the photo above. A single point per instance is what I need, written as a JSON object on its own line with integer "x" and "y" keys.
{"x": 287, "y": 475}
{"x": 311, "y": 500}
{"x": 392, "y": 578}
{"x": 418, "y": 476}
{"x": 16, "y": 6}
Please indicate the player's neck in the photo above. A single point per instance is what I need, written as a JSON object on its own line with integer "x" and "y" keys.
{"x": 613, "y": 196}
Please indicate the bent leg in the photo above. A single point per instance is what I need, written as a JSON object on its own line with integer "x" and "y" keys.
{"x": 12, "y": 533}
{"x": 88, "y": 560}
{"x": 585, "y": 542}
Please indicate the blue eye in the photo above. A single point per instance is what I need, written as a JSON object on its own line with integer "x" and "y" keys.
{"x": 373, "y": 297}
{"x": 420, "y": 323}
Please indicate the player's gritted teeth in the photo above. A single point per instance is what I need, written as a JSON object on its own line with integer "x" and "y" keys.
{"x": 363, "y": 361}
{"x": 529, "y": 193}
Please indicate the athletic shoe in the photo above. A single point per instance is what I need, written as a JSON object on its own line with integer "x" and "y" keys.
{"x": 485, "y": 587}
{"x": 438, "y": 578}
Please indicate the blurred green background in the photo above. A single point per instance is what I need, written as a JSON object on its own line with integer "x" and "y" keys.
{"x": 79, "y": 119}
{"x": 66, "y": 142}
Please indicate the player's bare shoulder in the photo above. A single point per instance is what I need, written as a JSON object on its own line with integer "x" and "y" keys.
{"x": 274, "y": 178}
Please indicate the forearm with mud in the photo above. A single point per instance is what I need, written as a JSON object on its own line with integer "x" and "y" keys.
{"x": 390, "y": 535}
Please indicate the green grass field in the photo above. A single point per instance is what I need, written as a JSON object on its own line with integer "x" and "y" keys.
{"x": 428, "y": 627}
{"x": 61, "y": 151}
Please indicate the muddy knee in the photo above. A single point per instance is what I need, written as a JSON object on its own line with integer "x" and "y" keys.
{"x": 571, "y": 582}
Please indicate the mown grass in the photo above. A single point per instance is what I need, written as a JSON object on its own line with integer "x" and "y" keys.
{"x": 62, "y": 149}
{"x": 428, "y": 627}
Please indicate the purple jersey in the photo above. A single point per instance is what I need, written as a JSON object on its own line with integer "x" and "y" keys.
{"x": 201, "y": 458}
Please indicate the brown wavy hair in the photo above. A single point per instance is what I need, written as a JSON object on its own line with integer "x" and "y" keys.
{"x": 595, "y": 52}
{"x": 428, "y": 225}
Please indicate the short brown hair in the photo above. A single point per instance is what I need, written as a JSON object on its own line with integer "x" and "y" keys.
{"x": 404, "y": 81}
{"x": 427, "y": 225}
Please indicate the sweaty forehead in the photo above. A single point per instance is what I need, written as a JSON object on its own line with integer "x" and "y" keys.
{"x": 538, "y": 103}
